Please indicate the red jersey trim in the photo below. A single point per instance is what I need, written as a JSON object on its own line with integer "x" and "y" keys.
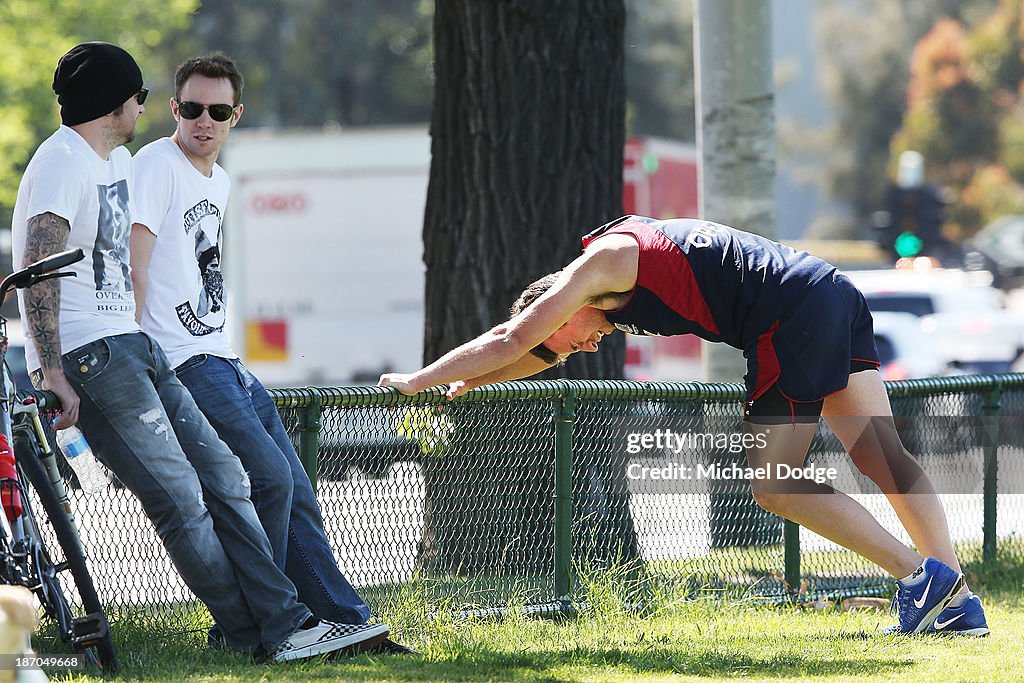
{"x": 768, "y": 370}
{"x": 662, "y": 268}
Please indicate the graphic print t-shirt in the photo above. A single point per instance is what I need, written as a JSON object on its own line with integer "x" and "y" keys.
{"x": 67, "y": 178}
{"x": 185, "y": 303}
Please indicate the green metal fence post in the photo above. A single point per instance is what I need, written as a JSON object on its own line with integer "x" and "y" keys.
{"x": 565, "y": 419}
{"x": 990, "y": 447}
{"x": 309, "y": 436}
{"x": 791, "y": 534}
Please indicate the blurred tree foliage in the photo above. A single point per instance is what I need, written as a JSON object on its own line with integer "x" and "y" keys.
{"x": 307, "y": 63}
{"x": 310, "y": 63}
{"x": 966, "y": 116}
{"x": 865, "y": 48}
{"x": 660, "y": 91}
{"x": 344, "y": 62}
{"x": 35, "y": 33}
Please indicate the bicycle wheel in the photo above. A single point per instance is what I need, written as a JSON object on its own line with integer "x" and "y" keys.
{"x": 97, "y": 633}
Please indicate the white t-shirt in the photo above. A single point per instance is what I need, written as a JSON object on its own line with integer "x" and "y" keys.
{"x": 185, "y": 301}
{"x": 67, "y": 178}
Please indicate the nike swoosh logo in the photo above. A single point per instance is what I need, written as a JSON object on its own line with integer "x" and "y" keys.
{"x": 924, "y": 596}
{"x": 939, "y": 625}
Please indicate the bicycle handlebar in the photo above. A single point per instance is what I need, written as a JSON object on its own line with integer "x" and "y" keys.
{"x": 40, "y": 270}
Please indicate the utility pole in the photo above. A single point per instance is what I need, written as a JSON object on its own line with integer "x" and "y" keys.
{"x": 736, "y": 138}
{"x": 735, "y": 131}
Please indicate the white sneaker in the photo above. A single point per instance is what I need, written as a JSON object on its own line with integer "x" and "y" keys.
{"x": 328, "y": 636}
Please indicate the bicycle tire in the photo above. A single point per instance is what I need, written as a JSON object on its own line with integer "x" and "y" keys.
{"x": 27, "y": 453}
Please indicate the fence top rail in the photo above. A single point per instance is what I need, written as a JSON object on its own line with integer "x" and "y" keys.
{"x": 519, "y": 390}
{"x": 608, "y": 389}
{"x": 955, "y": 384}
{"x": 585, "y": 388}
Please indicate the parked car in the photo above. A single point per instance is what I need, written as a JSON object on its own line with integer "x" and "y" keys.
{"x": 904, "y": 349}
{"x": 999, "y": 249}
{"x": 960, "y": 312}
{"x": 366, "y": 440}
{"x": 927, "y": 424}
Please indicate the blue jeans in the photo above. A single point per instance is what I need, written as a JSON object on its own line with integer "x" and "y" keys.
{"x": 143, "y": 424}
{"x": 242, "y": 412}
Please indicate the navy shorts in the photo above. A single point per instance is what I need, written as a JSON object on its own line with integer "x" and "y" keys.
{"x": 809, "y": 353}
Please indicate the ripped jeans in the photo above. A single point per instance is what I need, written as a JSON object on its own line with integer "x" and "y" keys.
{"x": 242, "y": 412}
{"x": 143, "y": 424}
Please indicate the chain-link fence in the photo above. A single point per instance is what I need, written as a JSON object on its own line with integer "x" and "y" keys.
{"x": 506, "y": 495}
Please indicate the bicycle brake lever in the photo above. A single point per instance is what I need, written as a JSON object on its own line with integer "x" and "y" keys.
{"x": 40, "y": 278}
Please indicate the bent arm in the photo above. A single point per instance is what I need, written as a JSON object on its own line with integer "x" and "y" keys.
{"x": 590, "y": 277}
{"x": 141, "y": 246}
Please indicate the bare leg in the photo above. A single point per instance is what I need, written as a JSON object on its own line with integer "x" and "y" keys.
{"x": 820, "y": 507}
{"x": 861, "y": 417}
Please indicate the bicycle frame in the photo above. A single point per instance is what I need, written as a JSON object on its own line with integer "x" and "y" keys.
{"x": 25, "y": 417}
{"x": 23, "y": 558}
{"x": 13, "y": 529}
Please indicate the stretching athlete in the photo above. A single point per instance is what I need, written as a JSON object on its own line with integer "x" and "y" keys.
{"x": 806, "y": 333}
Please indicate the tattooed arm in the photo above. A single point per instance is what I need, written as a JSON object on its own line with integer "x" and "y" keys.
{"x": 48, "y": 234}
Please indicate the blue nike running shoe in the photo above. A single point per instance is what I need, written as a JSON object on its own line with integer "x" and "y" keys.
{"x": 916, "y": 606}
{"x": 968, "y": 619}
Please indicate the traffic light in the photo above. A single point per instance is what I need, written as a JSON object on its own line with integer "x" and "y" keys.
{"x": 907, "y": 245}
{"x": 915, "y": 218}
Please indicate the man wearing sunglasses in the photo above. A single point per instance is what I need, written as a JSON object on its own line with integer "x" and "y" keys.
{"x": 176, "y": 256}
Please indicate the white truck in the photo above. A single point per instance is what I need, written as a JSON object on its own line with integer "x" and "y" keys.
{"x": 323, "y": 252}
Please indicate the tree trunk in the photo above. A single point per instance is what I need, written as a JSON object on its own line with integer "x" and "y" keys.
{"x": 527, "y": 144}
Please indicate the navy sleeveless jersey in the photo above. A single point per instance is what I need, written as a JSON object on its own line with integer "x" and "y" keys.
{"x": 796, "y": 318}
{"x": 703, "y": 278}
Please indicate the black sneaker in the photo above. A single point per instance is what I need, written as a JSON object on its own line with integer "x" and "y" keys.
{"x": 215, "y": 639}
{"x": 390, "y": 647}
{"x": 327, "y": 637}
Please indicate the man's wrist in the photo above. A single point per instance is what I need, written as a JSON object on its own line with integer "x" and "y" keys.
{"x": 52, "y": 368}
{"x": 547, "y": 355}
{"x": 416, "y": 383}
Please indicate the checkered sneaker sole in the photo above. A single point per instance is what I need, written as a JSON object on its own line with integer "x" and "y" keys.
{"x": 327, "y": 637}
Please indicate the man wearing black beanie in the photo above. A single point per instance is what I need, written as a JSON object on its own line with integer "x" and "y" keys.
{"x": 74, "y": 193}
{"x": 94, "y": 79}
{"x": 115, "y": 381}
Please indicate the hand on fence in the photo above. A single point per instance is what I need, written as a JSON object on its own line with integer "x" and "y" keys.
{"x": 398, "y": 381}
{"x": 456, "y": 389}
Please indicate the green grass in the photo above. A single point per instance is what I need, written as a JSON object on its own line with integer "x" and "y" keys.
{"x": 668, "y": 639}
{"x": 690, "y": 641}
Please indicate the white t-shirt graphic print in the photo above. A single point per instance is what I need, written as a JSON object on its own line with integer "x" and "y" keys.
{"x": 67, "y": 178}
{"x": 185, "y": 303}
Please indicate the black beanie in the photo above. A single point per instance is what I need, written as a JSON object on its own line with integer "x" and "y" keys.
{"x": 94, "y": 79}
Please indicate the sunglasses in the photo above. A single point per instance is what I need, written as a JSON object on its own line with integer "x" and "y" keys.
{"x": 193, "y": 110}
{"x": 141, "y": 96}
